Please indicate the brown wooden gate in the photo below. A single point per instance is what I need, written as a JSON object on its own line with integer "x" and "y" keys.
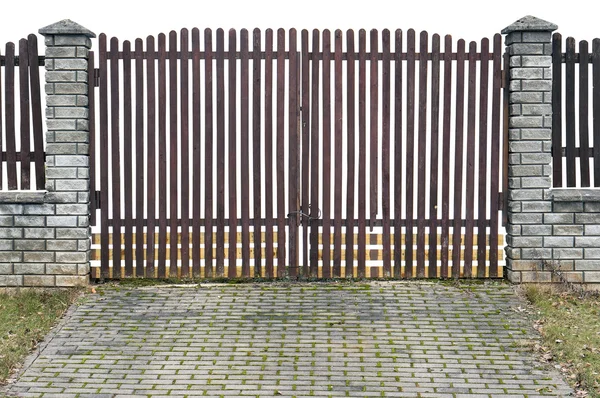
{"x": 268, "y": 154}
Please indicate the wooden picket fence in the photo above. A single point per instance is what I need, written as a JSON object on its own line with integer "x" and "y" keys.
{"x": 21, "y": 79}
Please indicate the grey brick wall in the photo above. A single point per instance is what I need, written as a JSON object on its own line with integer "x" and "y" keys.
{"x": 552, "y": 234}
{"x": 45, "y": 235}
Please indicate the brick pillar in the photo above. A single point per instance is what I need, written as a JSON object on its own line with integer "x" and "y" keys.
{"x": 528, "y": 43}
{"x": 67, "y": 158}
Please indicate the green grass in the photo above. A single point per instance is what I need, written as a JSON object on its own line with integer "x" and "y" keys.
{"x": 26, "y": 316}
{"x": 569, "y": 323}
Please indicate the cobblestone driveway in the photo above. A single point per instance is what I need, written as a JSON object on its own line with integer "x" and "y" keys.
{"x": 378, "y": 339}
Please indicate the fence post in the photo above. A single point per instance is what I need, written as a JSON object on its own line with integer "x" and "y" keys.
{"x": 529, "y": 81}
{"x": 67, "y": 151}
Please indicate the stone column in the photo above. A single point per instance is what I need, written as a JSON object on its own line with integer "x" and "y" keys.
{"x": 529, "y": 229}
{"x": 67, "y": 153}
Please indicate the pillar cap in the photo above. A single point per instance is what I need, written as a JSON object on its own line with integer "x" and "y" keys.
{"x": 530, "y": 24}
{"x": 66, "y": 27}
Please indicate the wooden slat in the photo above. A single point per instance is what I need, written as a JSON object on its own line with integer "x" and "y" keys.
{"x": 115, "y": 133}
{"x": 326, "y": 181}
{"x": 482, "y": 153}
{"x": 495, "y": 156}
{"x": 314, "y": 156}
{"x": 422, "y": 154}
{"x": 232, "y": 155}
{"x": 184, "y": 164}
{"x": 362, "y": 151}
{"x": 398, "y": 163}
{"x": 410, "y": 148}
{"x": 38, "y": 134}
{"x": 197, "y": 193}
{"x": 470, "y": 166}
{"x": 385, "y": 153}
{"x": 433, "y": 179}
{"x": 208, "y": 150}
{"x": 244, "y": 156}
{"x": 24, "y": 104}
{"x": 337, "y": 190}
{"x": 128, "y": 155}
{"x": 220, "y": 152}
{"x": 104, "y": 155}
{"x": 37, "y": 121}
{"x": 373, "y": 125}
{"x": 162, "y": 155}
{"x": 280, "y": 165}
{"x": 305, "y": 145}
{"x": 584, "y": 141}
{"x": 458, "y": 155}
{"x": 9, "y": 104}
{"x": 294, "y": 158}
{"x": 1, "y": 128}
{"x": 557, "y": 169}
{"x": 570, "y": 111}
{"x": 596, "y": 108}
{"x": 139, "y": 155}
{"x": 445, "y": 230}
{"x": 269, "y": 151}
{"x": 151, "y": 158}
{"x": 351, "y": 149}
{"x": 173, "y": 164}
{"x": 256, "y": 145}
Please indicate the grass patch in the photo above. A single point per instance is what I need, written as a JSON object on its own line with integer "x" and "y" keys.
{"x": 26, "y": 316}
{"x": 569, "y": 323}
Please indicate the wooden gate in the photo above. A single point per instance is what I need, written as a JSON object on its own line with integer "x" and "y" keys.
{"x": 273, "y": 155}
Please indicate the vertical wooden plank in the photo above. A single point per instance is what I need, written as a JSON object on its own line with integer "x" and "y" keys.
{"x": 596, "y": 108}
{"x": 1, "y": 132}
{"x": 305, "y": 145}
{"x": 326, "y": 88}
{"x": 435, "y": 121}
{"x": 184, "y": 164}
{"x": 139, "y": 158}
{"x": 24, "y": 104}
{"x": 220, "y": 55}
{"x": 115, "y": 131}
{"x": 422, "y": 153}
{"x": 244, "y": 156}
{"x": 314, "y": 156}
{"x": 495, "y": 156}
{"x": 162, "y": 155}
{"x": 362, "y": 152}
{"x": 445, "y": 230}
{"x": 294, "y": 157}
{"x": 232, "y": 182}
{"x": 398, "y": 163}
{"x": 458, "y": 158}
{"x": 151, "y": 158}
{"x": 584, "y": 141}
{"x": 410, "y": 150}
{"x": 351, "y": 149}
{"x": 557, "y": 169}
{"x": 197, "y": 193}
{"x": 185, "y": 154}
{"x": 570, "y": 111}
{"x": 208, "y": 155}
{"x": 37, "y": 122}
{"x": 104, "y": 234}
{"x": 38, "y": 132}
{"x": 9, "y": 109}
{"x": 337, "y": 193}
{"x": 482, "y": 152}
{"x": 374, "y": 127}
{"x": 280, "y": 151}
{"x": 128, "y": 154}
{"x": 173, "y": 156}
{"x": 385, "y": 153}
{"x": 269, "y": 153}
{"x": 470, "y": 180}
{"x": 256, "y": 149}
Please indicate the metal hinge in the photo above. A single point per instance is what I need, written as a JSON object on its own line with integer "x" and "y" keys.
{"x": 96, "y": 77}
{"x": 503, "y": 83}
{"x": 501, "y": 201}
{"x": 98, "y": 204}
